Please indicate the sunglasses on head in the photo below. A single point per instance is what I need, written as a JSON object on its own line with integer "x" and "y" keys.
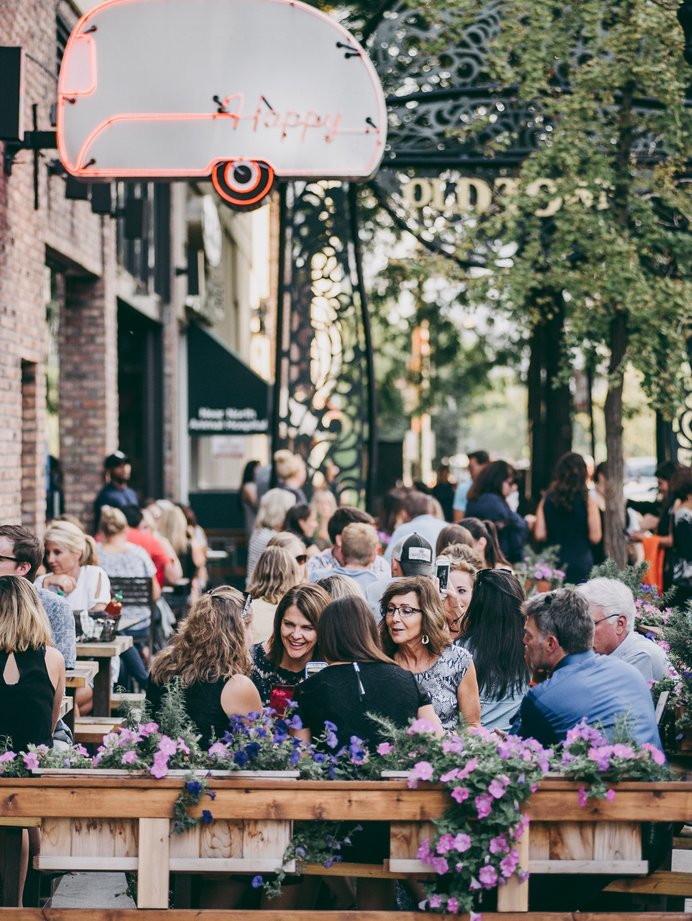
{"x": 301, "y": 558}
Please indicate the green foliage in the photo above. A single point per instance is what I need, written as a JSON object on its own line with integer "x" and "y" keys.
{"x": 620, "y": 241}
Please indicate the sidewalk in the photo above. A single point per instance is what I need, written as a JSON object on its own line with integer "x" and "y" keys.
{"x": 92, "y": 890}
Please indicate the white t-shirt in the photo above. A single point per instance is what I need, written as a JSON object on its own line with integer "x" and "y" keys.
{"x": 93, "y": 587}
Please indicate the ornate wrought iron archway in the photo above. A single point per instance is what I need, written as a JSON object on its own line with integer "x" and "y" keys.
{"x": 324, "y": 401}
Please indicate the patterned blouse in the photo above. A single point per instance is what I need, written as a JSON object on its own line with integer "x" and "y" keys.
{"x": 441, "y": 682}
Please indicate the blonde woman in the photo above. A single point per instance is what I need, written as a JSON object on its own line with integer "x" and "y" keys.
{"x": 270, "y": 520}
{"x": 32, "y": 671}
{"x": 121, "y": 559}
{"x": 275, "y": 573}
{"x": 72, "y": 560}
{"x": 210, "y": 655}
{"x": 32, "y": 680}
{"x": 172, "y": 525}
{"x": 464, "y": 564}
{"x": 295, "y": 546}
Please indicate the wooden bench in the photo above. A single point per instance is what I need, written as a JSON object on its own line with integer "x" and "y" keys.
{"x": 136, "y": 700}
{"x": 90, "y": 730}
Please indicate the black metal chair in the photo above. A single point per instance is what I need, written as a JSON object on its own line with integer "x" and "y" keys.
{"x": 138, "y": 590}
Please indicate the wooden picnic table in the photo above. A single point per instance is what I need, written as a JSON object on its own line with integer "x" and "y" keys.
{"x": 81, "y": 676}
{"x": 103, "y": 653}
{"x": 111, "y": 824}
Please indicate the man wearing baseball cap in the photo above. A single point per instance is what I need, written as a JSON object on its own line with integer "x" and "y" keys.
{"x": 411, "y": 556}
{"x": 115, "y": 490}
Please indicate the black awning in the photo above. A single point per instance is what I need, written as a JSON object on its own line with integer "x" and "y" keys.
{"x": 225, "y": 397}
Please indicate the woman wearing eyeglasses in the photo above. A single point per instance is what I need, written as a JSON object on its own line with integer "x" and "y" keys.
{"x": 275, "y": 573}
{"x": 493, "y": 631}
{"x": 210, "y": 655}
{"x": 295, "y": 546}
{"x": 414, "y": 633}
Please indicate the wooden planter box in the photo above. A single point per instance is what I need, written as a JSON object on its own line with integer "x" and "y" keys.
{"x": 124, "y": 823}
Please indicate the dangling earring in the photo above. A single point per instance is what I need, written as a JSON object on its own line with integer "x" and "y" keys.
{"x": 425, "y": 639}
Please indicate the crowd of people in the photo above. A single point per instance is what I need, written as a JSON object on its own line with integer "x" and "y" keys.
{"x": 344, "y": 617}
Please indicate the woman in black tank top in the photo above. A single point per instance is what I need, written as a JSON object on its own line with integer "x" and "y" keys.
{"x": 32, "y": 672}
{"x": 210, "y": 656}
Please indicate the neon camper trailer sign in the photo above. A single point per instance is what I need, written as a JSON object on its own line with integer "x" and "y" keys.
{"x": 239, "y": 90}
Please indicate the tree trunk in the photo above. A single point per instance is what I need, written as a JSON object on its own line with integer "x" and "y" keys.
{"x": 537, "y": 439}
{"x": 615, "y": 540}
{"x": 558, "y": 396}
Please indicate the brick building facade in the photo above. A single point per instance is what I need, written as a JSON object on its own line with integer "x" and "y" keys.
{"x": 93, "y": 314}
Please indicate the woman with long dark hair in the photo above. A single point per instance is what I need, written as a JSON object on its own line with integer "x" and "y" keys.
{"x": 568, "y": 517}
{"x": 485, "y": 542}
{"x": 487, "y": 498}
{"x": 360, "y": 680}
{"x": 492, "y": 630}
{"x": 279, "y": 663}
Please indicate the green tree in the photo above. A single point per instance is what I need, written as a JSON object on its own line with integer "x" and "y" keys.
{"x": 607, "y": 85}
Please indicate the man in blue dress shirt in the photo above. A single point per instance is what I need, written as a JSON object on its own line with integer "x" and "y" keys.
{"x": 603, "y": 690}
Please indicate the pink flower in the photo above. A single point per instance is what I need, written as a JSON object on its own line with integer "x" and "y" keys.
{"x": 384, "y": 748}
{"x": 498, "y": 845}
{"x": 488, "y": 877}
{"x": 183, "y": 746}
{"x": 160, "y": 766}
{"x": 445, "y": 844}
{"x": 30, "y": 761}
{"x": 509, "y": 864}
{"x": 623, "y": 751}
{"x": 484, "y": 805}
{"x": 460, "y": 794}
{"x": 656, "y": 754}
{"x": 129, "y": 757}
{"x": 435, "y": 901}
{"x": 426, "y": 727}
{"x": 583, "y": 796}
{"x": 217, "y": 750}
{"x": 167, "y": 746}
{"x": 496, "y": 789}
{"x": 453, "y": 745}
{"x": 7, "y": 756}
{"x": 522, "y": 825}
{"x": 422, "y": 770}
{"x": 450, "y": 775}
{"x": 452, "y": 905}
{"x": 424, "y": 852}
{"x": 439, "y": 865}
{"x": 468, "y": 768}
{"x": 610, "y": 795}
{"x": 462, "y": 842}
{"x": 148, "y": 729}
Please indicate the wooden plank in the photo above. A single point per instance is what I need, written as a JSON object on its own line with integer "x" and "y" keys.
{"x": 682, "y": 843}
{"x": 129, "y": 914}
{"x": 84, "y": 862}
{"x": 125, "y": 837}
{"x": 152, "y": 866}
{"x": 92, "y": 838}
{"x": 265, "y": 840}
{"x": 66, "y": 704}
{"x": 406, "y": 837}
{"x": 539, "y": 848}
{"x": 221, "y": 839}
{"x": 597, "y": 867}
{"x": 56, "y": 837}
{"x": 514, "y": 895}
{"x": 224, "y": 864}
{"x": 24, "y": 822}
{"x": 185, "y": 844}
{"x": 662, "y": 882}
{"x": 571, "y": 841}
{"x": 104, "y": 650}
{"x": 617, "y": 841}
